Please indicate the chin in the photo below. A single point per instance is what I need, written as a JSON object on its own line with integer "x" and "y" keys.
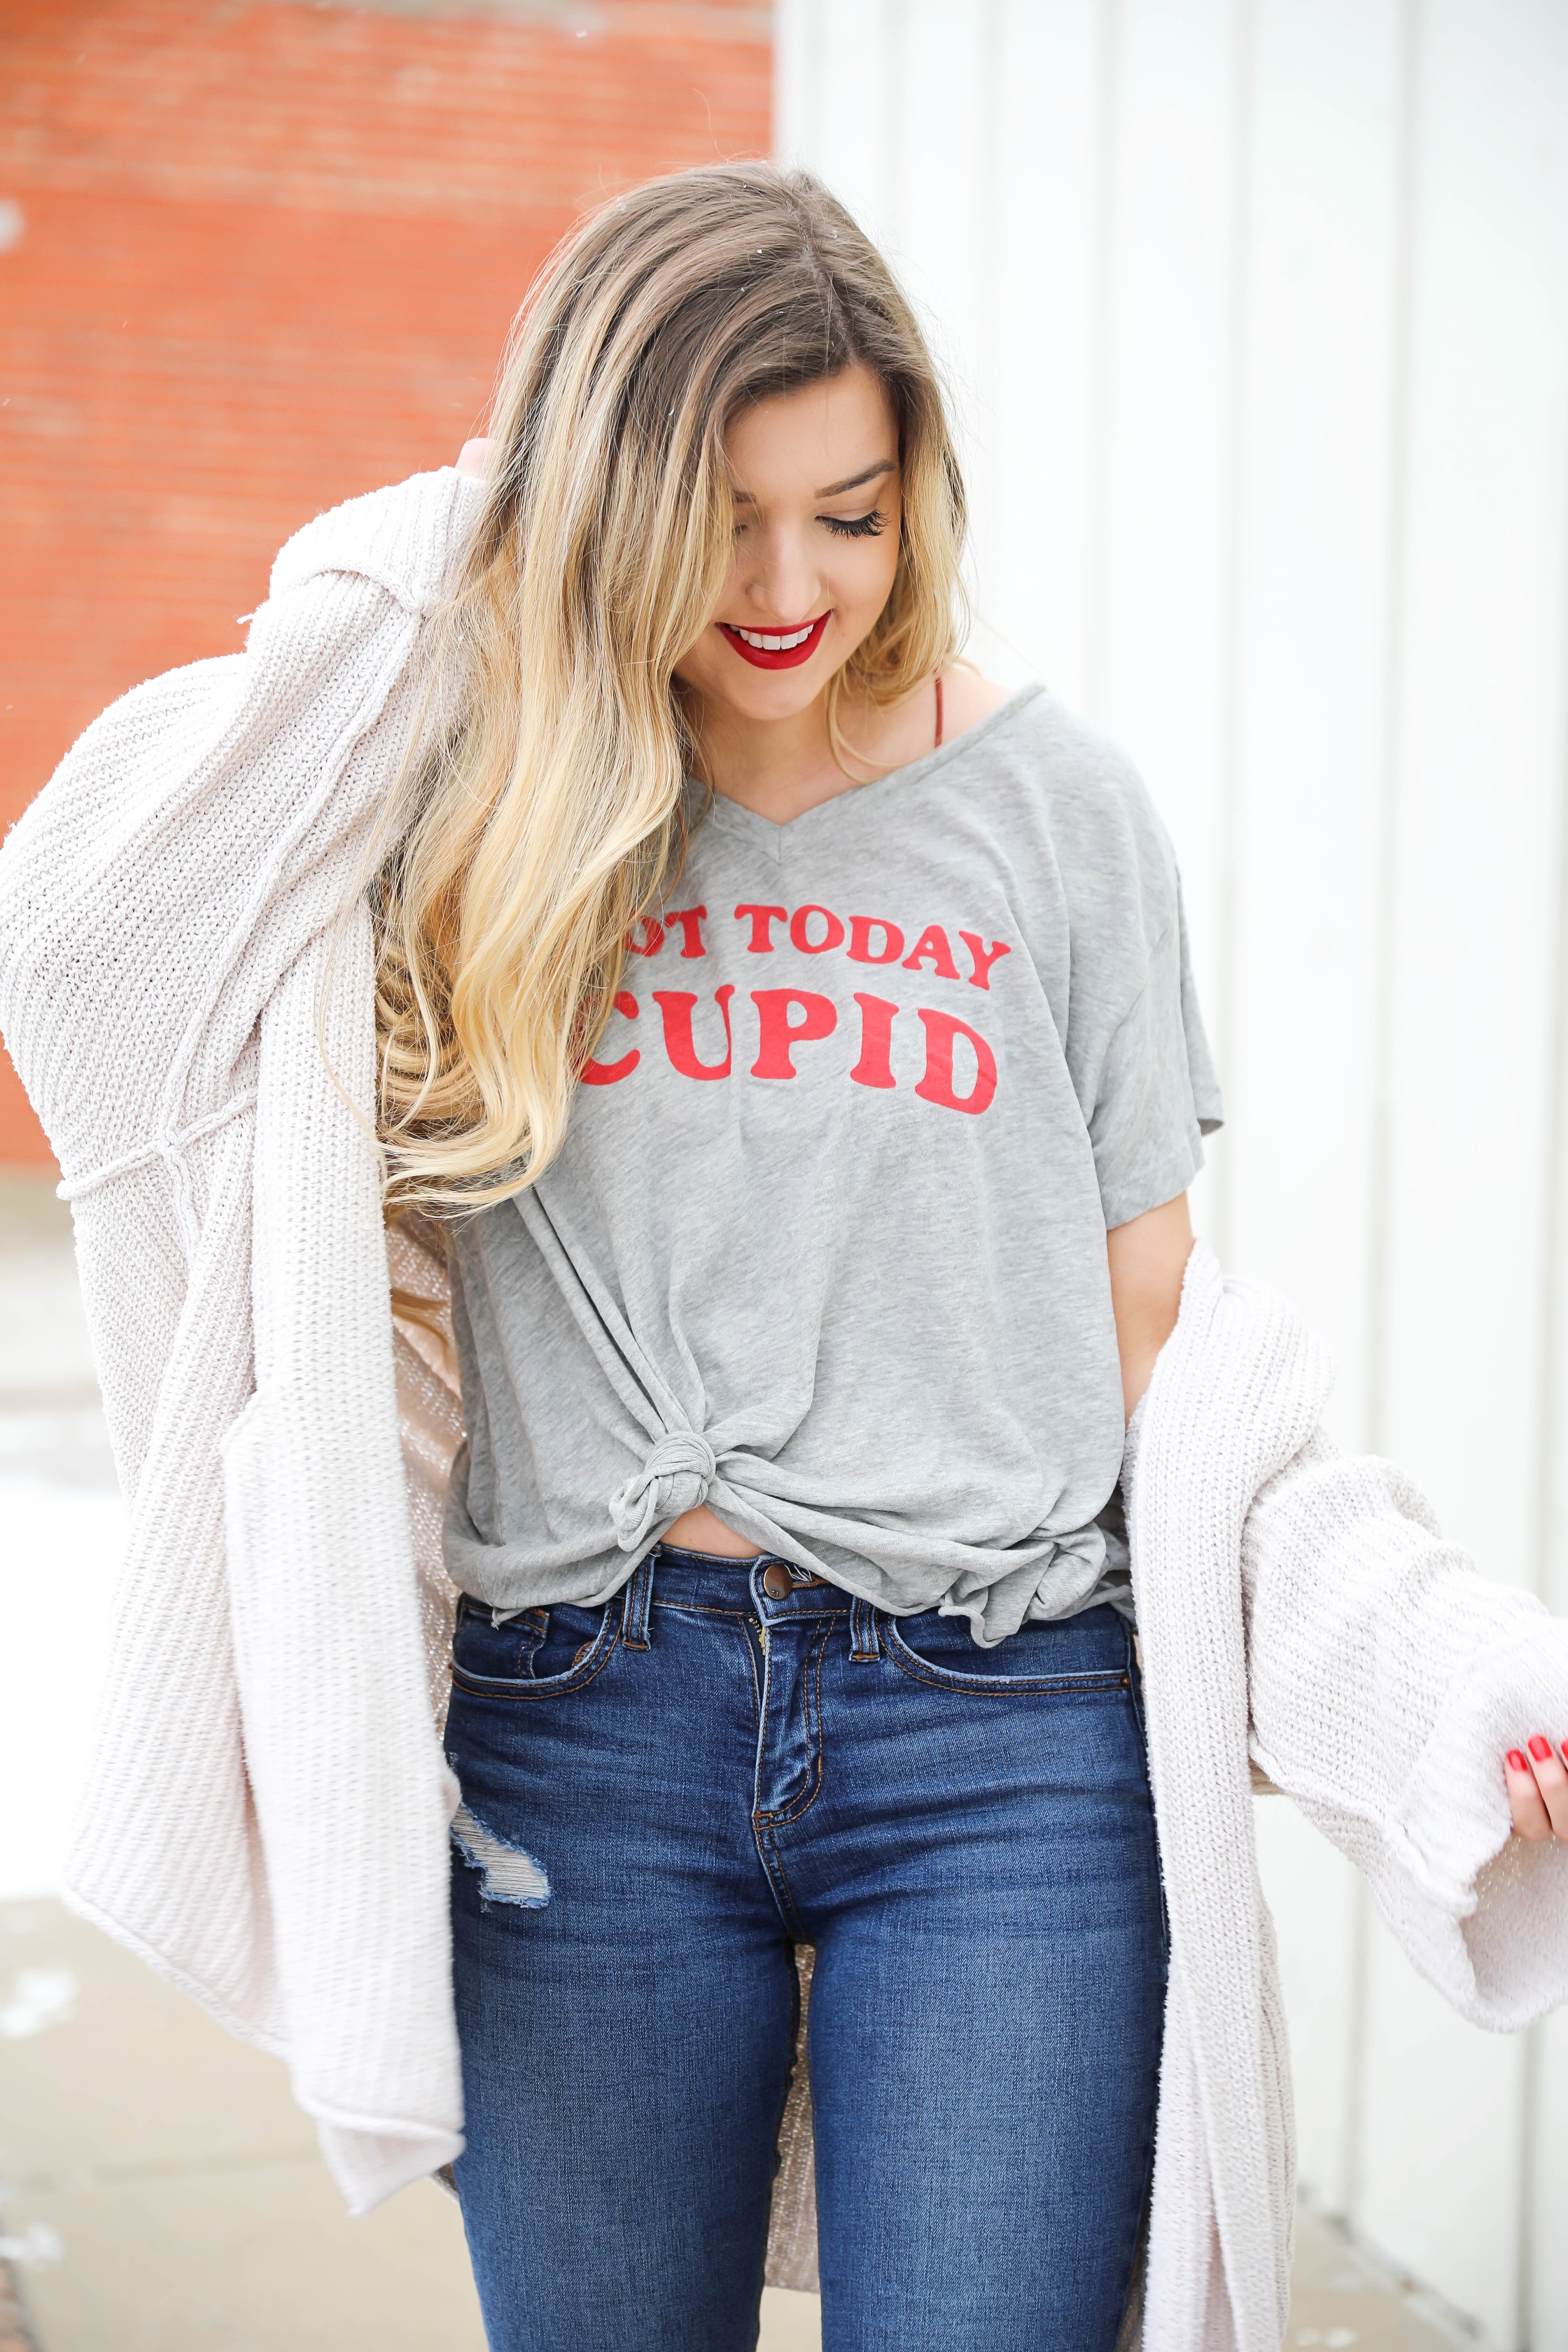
{"x": 780, "y": 698}
{"x": 775, "y": 694}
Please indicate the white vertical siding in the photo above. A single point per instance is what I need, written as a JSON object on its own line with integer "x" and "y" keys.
{"x": 1473, "y": 910}
{"x": 1257, "y": 312}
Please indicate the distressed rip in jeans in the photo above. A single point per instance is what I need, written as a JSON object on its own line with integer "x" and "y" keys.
{"x": 662, "y": 1799}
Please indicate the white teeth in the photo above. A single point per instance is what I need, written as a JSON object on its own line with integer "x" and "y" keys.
{"x": 776, "y": 645}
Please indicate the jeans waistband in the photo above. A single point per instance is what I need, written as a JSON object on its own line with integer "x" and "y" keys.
{"x": 771, "y": 1591}
{"x": 739, "y": 1583}
{"x": 765, "y": 1585}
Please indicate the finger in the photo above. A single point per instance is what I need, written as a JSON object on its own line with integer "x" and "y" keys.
{"x": 473, "y": 459}
{"x": 1552, "y": 1780}
{"x": 1530, "y": 1818}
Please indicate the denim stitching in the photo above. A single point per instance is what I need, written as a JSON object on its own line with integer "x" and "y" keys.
{"x": 527, "y": 1623}
{"x": 701, "y": 1609}
{"x": 798, "y": 1810}
{"x": 553, "y": 1687}
{"x": 1003, "y": 1687}
{"x": 637, "y": 1606}
{"x": 759, "y": 1811}
{"x": 796, "y": 2055}
{"x": 1136, "y": 1691}
{"x": 1150, "y": 2129}
{"x": 787, "y": 1904}
{"x": 950, "y": 1678}
{"x": 863, "y": 1629}
{"x": 751, "y": 1669}
{"x": 1134, "y": 1684}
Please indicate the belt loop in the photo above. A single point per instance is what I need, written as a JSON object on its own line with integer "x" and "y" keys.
{"x": 635, "y": 1615}
{"x": 863, "y": 1642}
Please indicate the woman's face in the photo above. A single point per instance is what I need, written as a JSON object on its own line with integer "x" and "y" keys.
{"x": 817, "y": 507}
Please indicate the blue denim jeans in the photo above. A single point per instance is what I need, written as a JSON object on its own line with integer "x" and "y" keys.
{"x": 661, "y": 1797}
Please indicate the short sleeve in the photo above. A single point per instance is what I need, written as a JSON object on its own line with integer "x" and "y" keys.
{"x": 1208, "y": 1105}
{"x": 1143, "y": 1122}
{"x": 1133, "y": 1035}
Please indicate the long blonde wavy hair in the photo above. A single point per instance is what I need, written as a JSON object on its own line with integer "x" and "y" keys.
{"x": 548, "y": 816}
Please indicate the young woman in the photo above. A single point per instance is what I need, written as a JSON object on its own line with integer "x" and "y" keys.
{"x": 789, "y": 1037}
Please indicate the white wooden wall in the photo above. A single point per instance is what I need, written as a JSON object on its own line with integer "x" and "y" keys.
{"x": 1257, "y": 315}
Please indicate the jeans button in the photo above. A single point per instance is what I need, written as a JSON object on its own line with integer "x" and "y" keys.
{"x": 776, "y": 1580}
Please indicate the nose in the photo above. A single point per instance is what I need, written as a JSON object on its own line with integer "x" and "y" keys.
{"x": 785, "y": 588}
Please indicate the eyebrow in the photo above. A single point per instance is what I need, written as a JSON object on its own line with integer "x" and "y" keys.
{"x": 836, "y": 489}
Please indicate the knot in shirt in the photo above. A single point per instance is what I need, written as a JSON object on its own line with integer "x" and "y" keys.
{"x": 674, "y": 1478}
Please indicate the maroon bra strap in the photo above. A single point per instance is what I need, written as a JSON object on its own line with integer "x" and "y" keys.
{"x": 939, "y": 710}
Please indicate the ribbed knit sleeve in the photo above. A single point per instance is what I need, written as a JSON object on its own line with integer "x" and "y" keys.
{"x": 1387, "y": 1680}
{"x": 186, "y": 985}
{"x": 134, "y": 956}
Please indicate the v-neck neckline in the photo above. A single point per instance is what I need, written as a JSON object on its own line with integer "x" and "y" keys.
{"x": 739, "y": 817}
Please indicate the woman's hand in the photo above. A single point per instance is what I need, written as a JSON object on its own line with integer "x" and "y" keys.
{"x": 474, "y": 460}
{"x": 1537, "y": 1789}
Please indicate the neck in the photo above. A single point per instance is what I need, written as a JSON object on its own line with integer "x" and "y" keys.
{"x": 772, "y": 764}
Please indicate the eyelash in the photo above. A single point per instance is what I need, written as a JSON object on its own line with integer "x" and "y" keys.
{"x": 866, "y": 526}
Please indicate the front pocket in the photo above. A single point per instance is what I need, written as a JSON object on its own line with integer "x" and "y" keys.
{"x": 1089, "y": 1659}
{"x": 541, "y": 1654}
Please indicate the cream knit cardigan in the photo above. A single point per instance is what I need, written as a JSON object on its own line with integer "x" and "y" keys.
{"x": 268, "y": 1819}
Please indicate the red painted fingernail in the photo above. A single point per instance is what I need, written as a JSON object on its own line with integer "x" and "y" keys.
{"x": 1540, "y": 1748}
{"x": 1516, "y": 1762}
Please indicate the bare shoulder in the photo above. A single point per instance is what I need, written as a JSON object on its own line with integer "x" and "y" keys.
{"x": 967, "y": 697}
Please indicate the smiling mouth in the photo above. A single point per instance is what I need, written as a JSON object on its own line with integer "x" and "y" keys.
{"x": 776, "y": 648}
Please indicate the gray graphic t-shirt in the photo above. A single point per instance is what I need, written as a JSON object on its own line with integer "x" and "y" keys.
{"x": 826, "y": 1245}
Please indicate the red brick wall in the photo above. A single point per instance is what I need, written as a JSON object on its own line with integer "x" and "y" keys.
{"x": 267, "y": 256}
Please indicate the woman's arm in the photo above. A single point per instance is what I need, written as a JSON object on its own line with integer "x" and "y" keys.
{"x": 1148, "y": 1259}
{"x": 1387, "y": 1681}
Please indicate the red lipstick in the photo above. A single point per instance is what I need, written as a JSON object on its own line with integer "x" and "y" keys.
{"x": 784, "y": 657}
